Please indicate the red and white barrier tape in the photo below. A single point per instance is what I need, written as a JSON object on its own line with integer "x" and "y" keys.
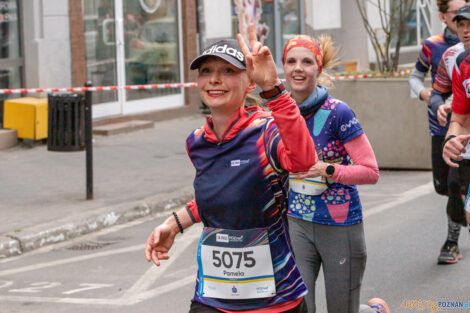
{"x": 102, "y": 88}
{"x": 362, "y": 76}
{"x": 159, "y": 86}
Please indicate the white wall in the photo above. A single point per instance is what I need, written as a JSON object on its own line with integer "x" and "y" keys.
{"x": 218, "y": 18}
{"x": 323, "y": 14}
{"x": 46, "y": 36}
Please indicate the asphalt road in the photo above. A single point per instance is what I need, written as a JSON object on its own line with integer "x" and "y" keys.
{"x": 107, "y": 272}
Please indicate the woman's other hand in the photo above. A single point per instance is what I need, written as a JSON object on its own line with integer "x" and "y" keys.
{"x": 319, "y": 169}
{"x": 159, "y": 243}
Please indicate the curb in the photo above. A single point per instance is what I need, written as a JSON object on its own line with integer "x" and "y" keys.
{"x": 14, "y": 244}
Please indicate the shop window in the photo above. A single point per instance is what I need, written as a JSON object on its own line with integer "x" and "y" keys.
{"x": 279, "y": 20}
{"x": 11, "y": 59}
{"x": 151, "y": 45}
{"x": 417, "y": 26}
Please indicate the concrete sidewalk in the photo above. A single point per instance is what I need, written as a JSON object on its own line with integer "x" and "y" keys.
{"x": 43, "y": 194}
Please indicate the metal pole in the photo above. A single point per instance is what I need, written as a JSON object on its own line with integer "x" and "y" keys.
{"x": 88, "y": 143}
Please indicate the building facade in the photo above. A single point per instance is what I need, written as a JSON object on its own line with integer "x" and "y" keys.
{"x": 63, "y": 43}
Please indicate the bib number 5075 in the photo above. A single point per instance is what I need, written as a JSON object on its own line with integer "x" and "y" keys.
{"x": 229, "y": 259}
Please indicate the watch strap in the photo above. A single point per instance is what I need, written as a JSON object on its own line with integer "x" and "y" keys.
{"x": 271, "y": 93}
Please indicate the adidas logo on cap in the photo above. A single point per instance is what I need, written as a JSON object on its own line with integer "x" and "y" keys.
{"x": 225, "y": 50}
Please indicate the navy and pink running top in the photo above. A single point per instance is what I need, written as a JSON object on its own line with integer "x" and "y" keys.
{"x": 242, "y": 183}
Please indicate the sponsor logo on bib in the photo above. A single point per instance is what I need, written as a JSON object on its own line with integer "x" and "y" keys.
{"x": 221, "y": 238}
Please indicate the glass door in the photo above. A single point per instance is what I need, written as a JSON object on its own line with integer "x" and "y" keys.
{"x": 11, "y": 60}
{"x": 133, "y": 42}
{"x": 152, "y": 53}
{"x": 100, "y": 40}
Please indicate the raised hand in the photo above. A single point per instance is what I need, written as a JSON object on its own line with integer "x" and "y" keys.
{"x": 453, "y": 148}
{"x": 260, "y": 65}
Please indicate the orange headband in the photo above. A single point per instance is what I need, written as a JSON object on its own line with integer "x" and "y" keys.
{"x": 307, "y": 42}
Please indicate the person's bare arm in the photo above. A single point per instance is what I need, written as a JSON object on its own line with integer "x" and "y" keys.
{"x": 162, "y": 237}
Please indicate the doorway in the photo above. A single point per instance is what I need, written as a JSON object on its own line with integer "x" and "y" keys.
{"x": 133, "y": 42}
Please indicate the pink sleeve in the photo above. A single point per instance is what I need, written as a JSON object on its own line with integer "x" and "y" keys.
{"x": 295, "y": 151}
{"x": 364, "y": 169}
{"x": 191, "y": 208}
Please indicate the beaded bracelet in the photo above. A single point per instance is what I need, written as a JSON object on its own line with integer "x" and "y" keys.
{"x": 180, "y": 227}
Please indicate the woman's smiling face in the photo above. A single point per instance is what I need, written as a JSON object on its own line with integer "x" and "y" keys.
{"x": 222, "y": 84}
{"x": 301, "y": 70}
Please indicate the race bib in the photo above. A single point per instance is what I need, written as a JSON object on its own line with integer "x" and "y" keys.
{"x": 235, "y": 264}
{"x": 308, "y": 186}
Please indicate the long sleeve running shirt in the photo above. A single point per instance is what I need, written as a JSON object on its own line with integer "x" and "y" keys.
{"x": 428, "y": 60}
{"x": 242, "y": 183}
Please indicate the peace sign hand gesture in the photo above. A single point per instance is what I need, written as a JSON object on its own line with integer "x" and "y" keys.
{"x": 260, "y": 65}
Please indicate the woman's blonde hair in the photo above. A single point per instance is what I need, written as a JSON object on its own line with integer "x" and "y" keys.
{"x": 330, "y": 59}
{"x": 253, "y": 101}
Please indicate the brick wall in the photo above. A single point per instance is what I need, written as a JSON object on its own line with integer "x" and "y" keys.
{"x": 190, "y": 50}
{"x": 77, "y": 43}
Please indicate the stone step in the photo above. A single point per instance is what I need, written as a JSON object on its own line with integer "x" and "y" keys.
{"x": 8, "y": 138}
{"x": 122, "y": 127}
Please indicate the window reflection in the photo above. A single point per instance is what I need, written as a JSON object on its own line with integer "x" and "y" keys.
{"x": 287, "y": 18}
{"x": 409, "y": 36}
{"x": 9, "y": 35}
{"x": 100, "y": 47}
{"x": 290, "y": 20}
{"x": 151, "y": 45}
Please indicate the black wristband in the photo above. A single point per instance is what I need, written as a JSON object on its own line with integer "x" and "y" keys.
{"x": 271, "y": 93}
{"x": 446, "y": 140}
{"x": 180, "y": 227}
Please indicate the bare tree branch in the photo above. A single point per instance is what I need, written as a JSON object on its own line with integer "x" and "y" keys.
{"x": 393, "y": 15}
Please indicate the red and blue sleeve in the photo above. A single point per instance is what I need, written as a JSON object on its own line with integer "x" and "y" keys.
{"x": 424, "y": 59}
{"x": 294, "y": 150}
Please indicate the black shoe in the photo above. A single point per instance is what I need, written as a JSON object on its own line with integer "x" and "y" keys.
{"x": 450, "y": 253}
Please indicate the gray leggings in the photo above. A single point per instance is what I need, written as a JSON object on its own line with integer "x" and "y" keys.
{"x": 342, "y": 251}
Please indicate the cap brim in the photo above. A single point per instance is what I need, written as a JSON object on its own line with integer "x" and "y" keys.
{"x": 196, "y": 63}
{"x": 461, "y": 16}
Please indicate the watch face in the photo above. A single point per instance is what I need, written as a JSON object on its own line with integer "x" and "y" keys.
{"x": 330, "y": 170}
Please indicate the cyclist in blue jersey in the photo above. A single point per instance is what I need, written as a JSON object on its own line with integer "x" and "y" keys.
{"x": 242, "y": 158}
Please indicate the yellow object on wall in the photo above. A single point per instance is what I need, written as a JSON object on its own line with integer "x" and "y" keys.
{"x": 27, "y": 115}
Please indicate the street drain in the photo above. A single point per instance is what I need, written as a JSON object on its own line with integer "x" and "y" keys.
{"x": 89, "y": 245}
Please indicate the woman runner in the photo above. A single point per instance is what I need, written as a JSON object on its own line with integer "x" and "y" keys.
{"x": 242, "y": 159}
{"x": 325, "y": 212}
